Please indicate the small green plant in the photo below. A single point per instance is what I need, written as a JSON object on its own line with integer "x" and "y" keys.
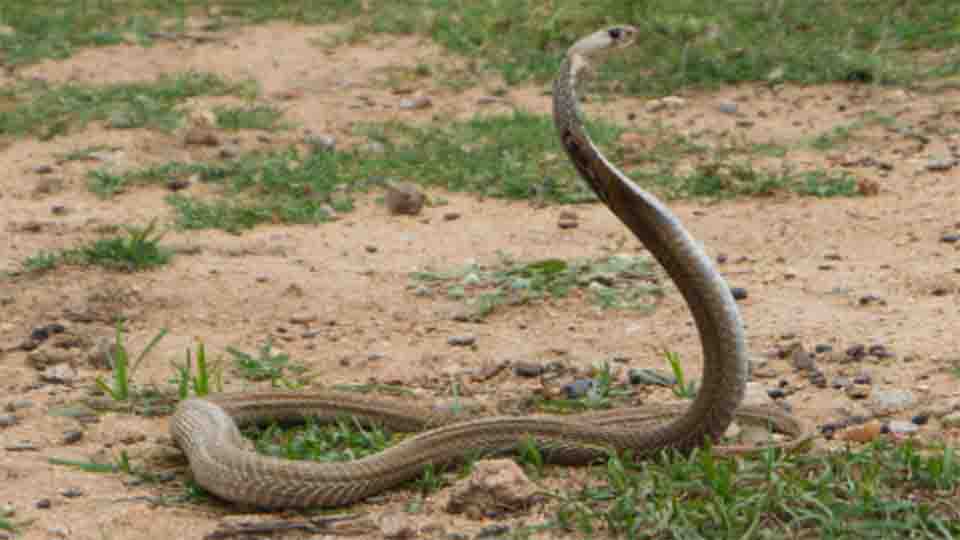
{"x": 616, "y": 281}
{"x": 206, "y": 378}
{"x": 343, "y": 440}
{"x": 681, "y": 389}
{"x": 253, "y": 117}
{"x": 138, "y": 250}
{"x": 266, "y": 366}
{"x": 41, "y": 262}
{"x": 120, "y": 387}
{"x": 531, "y": 456}
{"x": 602, "y": 394}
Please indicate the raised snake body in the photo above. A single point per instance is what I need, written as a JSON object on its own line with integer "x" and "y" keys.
{"x": 206, "y": 428}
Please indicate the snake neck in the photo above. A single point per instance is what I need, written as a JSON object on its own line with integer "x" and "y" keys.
{"x": 704, "y": 290}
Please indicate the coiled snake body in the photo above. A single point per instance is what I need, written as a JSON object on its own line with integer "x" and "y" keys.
{"x": 206, "y": 428}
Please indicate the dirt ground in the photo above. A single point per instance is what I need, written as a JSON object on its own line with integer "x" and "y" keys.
{"x": 806, "y": 263}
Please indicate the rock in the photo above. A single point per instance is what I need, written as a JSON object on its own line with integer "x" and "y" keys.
{"x": 950, "y": 238}
{"x": 416, "y": 103}
{"x": 451, "y": 216}
{"x": 940, "y": 164}
{"x": 21, "y": 446}
{"x": 493, "y": 531}
{"x": 739, "y": 293}
{"x": 568, "y": 224}
{"x": 863, "y": 433}
{"x": 578, "y": 388}
{"x": 902, "y": 427}
{"x": 8, "y": 420}
{"x": 303, "y": 318}
{"x": 404, "y": 198}
{"x": 858, "y": 391}
{"x": 493, "y": 488}
{"x": 891, "y": 401}
{"x": 59, "y": 374}
{"x": 461, "y": 341}
{"x": 72, "y": 436}
{"x": 321, "y": 143}
{"x": 199, "y": 136}
{"x": 42, "y": 504}
{"x": 728, "y": 107}
{"x": 397, "y": 525}
{"x": 527, "y": 369}
{"x": 650, "y": 377}
{"x": 72, "y": 492}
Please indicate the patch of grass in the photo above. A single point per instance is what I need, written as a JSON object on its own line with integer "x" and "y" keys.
{"x": 682, "y": 389}
{"x": 263, "y": 117}
{"x": 603, "y": 394}
{"x": 343, "y": 440}
{"x": 120, "y": 387}
{"x": 47, "y": 111}
{"x": 267, "y": 366}
{"x": 728, "y": 179}
{"x": 616, "y": 281}
{"x": 41, "y": 262}
{"x": 139, "y": 249}
{"x": 840, "y": 136}
{"x": 201, "y": 382}
{"x": 876, "y": 491}
{"x": 683, "y": 42}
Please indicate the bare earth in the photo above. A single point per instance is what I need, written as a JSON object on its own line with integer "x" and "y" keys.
{"x": 805, "y": 263}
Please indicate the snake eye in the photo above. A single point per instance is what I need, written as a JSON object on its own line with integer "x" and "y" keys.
{"x": 615, "y": 33}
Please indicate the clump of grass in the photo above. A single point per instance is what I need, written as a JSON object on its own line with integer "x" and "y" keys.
{"x": 139, "y": 249}
{"x": 47, "y": 111}
{"x": 727, "y": 179}
{"x": 681, "y": 388}
{"x": 343, "y": 440}
{"x": 203, "y": 381}
{"x": 604, "y": 393}
{"x": 616, "y": 281}
{"x": 263, "y": 117}
{"x": 876, "y": 491}
{"x": 267, "y": 366}
{"x": 120, "y": 386}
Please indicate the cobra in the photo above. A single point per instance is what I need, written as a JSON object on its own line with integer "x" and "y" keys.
{"x": 207, "y": 431}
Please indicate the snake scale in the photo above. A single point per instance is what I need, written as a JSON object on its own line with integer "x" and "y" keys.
{"x": 207, "y": 431}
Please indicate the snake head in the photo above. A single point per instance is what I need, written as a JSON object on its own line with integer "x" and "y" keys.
{"x": 614, "y": 37}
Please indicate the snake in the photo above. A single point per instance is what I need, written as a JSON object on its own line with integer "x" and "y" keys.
{"x": 207, "y": 429}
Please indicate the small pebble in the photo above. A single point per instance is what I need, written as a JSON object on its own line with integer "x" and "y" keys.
{"x": 577, "y": 388}
{"x": 72, "y": 436}
{"x": 7, "y": 420}
{"x": 491, "y": 531}
{"x": 776, "y": 393}
{"x": 43, "y": 504}
{"x": 821, "y": 348}
{"x": 739, "y": 293}
{"x": 527, "y": 369}
{"x": 920, "y": 419}
{"x": 461, "y": 341}
{"x": 728, "y": 107}
{"x": 950, "y": 238}
{"x": 71, "y": 493}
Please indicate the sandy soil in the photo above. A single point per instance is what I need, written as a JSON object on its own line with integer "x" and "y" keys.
{"x": 806, "y": 263}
